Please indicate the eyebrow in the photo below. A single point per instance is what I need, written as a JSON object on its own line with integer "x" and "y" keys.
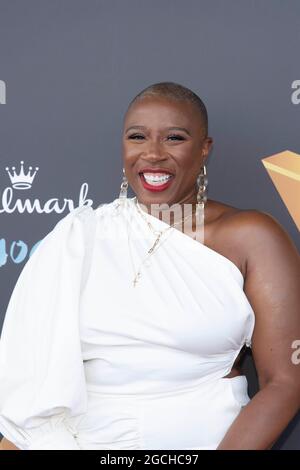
{"x": 168, "y": 128}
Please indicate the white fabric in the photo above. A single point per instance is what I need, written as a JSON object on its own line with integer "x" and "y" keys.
{"x": 41, "y": 371}
{"x": 88, "y": 361}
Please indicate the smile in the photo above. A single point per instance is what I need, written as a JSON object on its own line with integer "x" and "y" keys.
{"x": 156, "y": 181}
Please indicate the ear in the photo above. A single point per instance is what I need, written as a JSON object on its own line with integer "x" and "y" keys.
{"x": 206, "y": 148}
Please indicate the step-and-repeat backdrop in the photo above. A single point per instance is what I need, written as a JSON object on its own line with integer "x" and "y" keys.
{"x": 68, "y": 70}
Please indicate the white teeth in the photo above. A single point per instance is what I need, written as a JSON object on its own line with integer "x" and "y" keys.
{"x": 155, "y": 179}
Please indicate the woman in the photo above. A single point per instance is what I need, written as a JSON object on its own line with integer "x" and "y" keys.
{"x": 125, "y": 331}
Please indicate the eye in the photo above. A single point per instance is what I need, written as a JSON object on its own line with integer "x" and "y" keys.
{"x": 171, "y": 137}
{"x": 135, "y": 136}
{"x": 176, "y": 137}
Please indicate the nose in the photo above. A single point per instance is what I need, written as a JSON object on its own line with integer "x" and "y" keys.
{"x": 154, "y": 152}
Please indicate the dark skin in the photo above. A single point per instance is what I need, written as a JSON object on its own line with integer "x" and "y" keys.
{"x": 258, "y": 245}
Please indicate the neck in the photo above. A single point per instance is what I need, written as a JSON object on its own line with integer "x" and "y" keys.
{"x": 190, "y": 199}
{"x": 172, "y": 213}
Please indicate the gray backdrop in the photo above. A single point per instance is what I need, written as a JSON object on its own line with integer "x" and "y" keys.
{"x": 68, "y": 69}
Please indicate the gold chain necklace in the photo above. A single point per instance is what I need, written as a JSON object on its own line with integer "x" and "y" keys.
{"x": 157, "y": 233}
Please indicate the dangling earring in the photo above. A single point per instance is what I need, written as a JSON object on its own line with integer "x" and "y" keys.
{"x": 202, "y": 182}
{"x": 124, "y": 186}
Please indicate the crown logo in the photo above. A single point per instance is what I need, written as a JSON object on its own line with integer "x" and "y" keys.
{"x": 21, "y": 180}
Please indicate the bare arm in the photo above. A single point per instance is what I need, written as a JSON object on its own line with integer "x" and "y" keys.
{"x": 5, "y": 444}
{"x": 272, "y": 286}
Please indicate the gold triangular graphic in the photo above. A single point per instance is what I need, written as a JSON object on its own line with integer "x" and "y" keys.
{"x": 284, "y": 170}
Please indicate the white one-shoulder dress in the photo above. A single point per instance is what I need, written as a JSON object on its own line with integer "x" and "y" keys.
{"x": 88, "y": 361}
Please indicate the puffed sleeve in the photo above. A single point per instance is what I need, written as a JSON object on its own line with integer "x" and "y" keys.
{"x": 42, "y": 380}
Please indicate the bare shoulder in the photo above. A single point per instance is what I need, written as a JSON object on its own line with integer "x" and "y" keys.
{"x": 258, "y": 230}
{"x": 247, "y": 236}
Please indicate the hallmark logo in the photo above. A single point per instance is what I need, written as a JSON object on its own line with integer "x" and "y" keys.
{"x": 295, "y": 96}
{"x": 2, "y": 92}
{"x": 10, "y": 203}
{"x": 23, "y": 180}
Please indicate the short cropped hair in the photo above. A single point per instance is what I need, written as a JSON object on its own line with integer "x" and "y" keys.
{"x": 177, "y": 92}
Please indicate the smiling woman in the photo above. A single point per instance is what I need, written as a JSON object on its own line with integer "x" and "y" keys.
{"x": 124, "y": 331}
{"x": 165, "y": 143}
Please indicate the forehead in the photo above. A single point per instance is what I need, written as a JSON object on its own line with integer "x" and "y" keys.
{"x": 159, "y": 111}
